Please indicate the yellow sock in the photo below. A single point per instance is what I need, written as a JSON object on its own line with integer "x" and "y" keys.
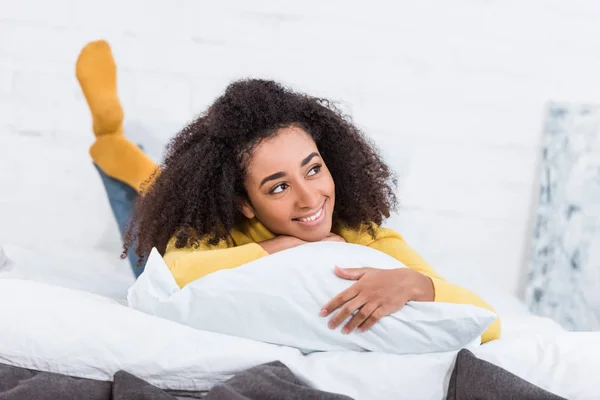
{"x": 97, "y": 74}
{"x": 121, "y": 159}
{"x": 118, "y": 157}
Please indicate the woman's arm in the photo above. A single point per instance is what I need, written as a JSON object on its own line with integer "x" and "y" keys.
{"x": 280, "y": 243}
{"x": 391, "y": 243}
{"x": 188, "y": 264}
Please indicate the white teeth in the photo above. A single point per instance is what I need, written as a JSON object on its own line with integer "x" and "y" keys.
{"x": 312, "y": 217}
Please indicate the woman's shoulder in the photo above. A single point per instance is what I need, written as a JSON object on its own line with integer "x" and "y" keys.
{"x": 196, "y": 243}
{"x": 239, "y": 235}
{"x": 367, "y": 234}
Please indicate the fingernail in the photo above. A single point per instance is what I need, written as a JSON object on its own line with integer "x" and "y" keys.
{"x": 323, "y": 313}
{"x": 346, "y": 331}
{"x": 331, "y": 325}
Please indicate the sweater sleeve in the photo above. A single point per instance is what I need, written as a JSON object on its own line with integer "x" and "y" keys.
{"x": 188, "y": 264}
{"x": 393, "y": 244}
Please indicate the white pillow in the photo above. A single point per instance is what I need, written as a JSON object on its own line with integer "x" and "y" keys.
{"x": 67, "y": 331}
{"x": 92, "y": 271}
{"x": 76, "y": 333}
{"x": 277, "y": 299}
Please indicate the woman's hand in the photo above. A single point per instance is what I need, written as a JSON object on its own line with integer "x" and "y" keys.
{"x": 377, "y": 293}
{"x": 332, "y": 237}
{"x": 280, "y": 243}
{"x": 283, "y": 242}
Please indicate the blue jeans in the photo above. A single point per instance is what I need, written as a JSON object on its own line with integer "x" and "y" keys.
{"x": 122, "y": 199}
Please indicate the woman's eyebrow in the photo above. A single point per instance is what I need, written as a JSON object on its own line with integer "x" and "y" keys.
{"x": 308, "y": 158}
{"x": 278, "y": 175}
{"x": 273, "y": 177}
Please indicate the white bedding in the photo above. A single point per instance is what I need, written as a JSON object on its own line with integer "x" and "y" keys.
{"x": 56, "y": 329}
{"x": 89, "y": 270}
{"x": 277, "y": 299}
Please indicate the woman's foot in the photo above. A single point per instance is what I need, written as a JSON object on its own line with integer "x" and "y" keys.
{"x": 96, "y": 72}
{"x": 116, "y": 156}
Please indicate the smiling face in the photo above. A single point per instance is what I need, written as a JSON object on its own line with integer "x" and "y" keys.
{"x": 289, "y": 187}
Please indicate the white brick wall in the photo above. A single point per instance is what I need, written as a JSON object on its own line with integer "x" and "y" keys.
{"x": 452, "y": 91}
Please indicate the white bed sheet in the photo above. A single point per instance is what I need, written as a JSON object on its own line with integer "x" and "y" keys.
{"x": 81, "y": 332}
{"x": 76, "y": 333}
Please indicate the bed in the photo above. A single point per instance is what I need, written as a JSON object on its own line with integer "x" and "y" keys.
{"x": 68, "y": 315}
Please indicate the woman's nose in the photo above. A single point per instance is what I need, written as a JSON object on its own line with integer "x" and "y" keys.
{"x": 307, "y": 197}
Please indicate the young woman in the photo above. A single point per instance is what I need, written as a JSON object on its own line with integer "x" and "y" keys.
{"x": 264, "y": 169}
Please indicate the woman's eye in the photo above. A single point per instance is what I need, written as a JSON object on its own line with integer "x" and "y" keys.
{"x": 279, "y": 188}
{"x": 314, "y": 170}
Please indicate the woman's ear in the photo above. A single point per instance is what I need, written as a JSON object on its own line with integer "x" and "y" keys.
{"x": 246, "y": 208}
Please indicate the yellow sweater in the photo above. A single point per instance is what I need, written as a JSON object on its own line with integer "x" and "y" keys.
{"x": 191, "y": 263}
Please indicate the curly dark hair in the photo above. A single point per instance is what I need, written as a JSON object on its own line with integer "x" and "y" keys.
{"x": 194, "y": 196}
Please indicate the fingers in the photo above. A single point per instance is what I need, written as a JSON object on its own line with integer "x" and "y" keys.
{"x": 372, "y": 319}
{"x": 361, "y": 316}
{"x": 339, "y": 238}
{"x": 332, "y": 237}
{"x": 340, "y": 300}
{"x": 351, "y": 273}
{"x": 381, "y": 312}
{"x": 346, "y": 310}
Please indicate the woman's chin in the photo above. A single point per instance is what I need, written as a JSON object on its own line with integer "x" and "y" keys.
{"x": 313, "y": 239}
{"x": 317, "y": 235}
